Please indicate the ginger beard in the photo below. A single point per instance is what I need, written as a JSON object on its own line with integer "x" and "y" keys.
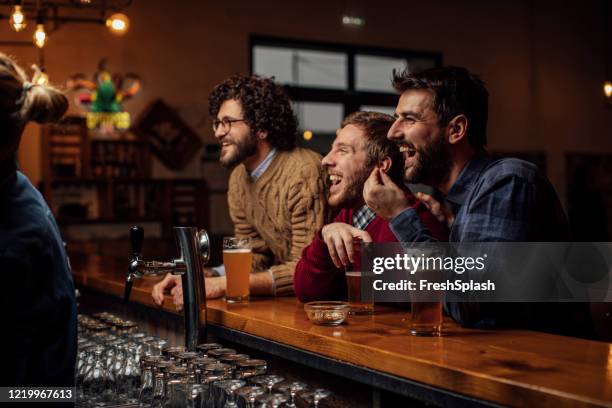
{"x": 429, "y": 164}
{"x": 234, "y": 150}
{"x": 346, "y": 190}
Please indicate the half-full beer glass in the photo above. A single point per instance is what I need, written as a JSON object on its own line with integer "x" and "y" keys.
{"x": 426, "y": 305}
{"x": 353, "y": 283}
{"x": 237, "y": 259}
{"x": 357, "y": 305}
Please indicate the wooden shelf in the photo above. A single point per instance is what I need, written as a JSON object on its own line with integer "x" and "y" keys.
{"x": 91, "y": 180}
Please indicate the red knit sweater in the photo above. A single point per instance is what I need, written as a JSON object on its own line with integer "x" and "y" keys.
{"x": 317, "y": 278}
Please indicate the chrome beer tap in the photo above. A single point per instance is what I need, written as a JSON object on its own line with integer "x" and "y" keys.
{"x": 194, "y": 252}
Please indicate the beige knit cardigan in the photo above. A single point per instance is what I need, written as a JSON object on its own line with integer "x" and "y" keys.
{"x": 280, "y": 211}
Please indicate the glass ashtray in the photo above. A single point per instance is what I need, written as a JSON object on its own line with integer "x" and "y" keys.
{"x": 327, "y": 313}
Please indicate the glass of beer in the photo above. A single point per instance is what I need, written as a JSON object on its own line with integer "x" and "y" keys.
{"x": 237, "y": 259}
{"x": 426, "y": 319}
{"x": 353, "y": 284}
{"x": 426, "y": 305}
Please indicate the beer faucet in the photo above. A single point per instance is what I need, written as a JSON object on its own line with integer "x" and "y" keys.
{"x": 194, "y": 252}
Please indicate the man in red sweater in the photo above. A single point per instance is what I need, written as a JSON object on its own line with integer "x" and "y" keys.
{"x": 360, "y": 145}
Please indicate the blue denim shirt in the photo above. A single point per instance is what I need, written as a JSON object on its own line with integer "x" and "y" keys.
{"x": 493, "y": 201}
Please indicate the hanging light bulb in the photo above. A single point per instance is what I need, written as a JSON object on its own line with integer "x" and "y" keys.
{"x": 118, "y": 23}
{"x": 40, "y": 36}
{"x": 608, "y": 89}
{"x": 18, "y": 21}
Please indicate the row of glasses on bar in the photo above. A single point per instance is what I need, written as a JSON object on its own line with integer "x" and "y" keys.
{"x": 108, "y": 362}
{"x": 119, "y": 366}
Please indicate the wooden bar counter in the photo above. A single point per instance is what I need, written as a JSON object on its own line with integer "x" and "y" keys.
{"x": 472, "y": 367}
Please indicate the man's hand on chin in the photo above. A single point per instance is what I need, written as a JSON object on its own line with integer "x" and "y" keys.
{"x": 383, "y": 196}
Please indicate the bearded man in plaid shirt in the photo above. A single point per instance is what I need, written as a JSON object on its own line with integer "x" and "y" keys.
{"x": 440, "y": 127}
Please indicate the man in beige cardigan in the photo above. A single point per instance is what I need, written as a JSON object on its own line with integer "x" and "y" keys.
{"x": 276, "y": 192}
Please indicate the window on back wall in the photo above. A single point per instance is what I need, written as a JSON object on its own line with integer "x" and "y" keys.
{"x": 328, "y": 81}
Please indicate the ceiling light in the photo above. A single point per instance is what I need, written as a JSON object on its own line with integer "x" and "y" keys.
{"x": 18, "y": 21}
{"x": 40, "y": 36}
{"x": 118, "y": 23}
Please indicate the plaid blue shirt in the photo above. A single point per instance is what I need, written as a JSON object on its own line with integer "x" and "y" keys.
{"x": 495, "y": 201}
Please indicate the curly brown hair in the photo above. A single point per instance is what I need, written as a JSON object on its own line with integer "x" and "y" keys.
{"x": 265, "y": 105}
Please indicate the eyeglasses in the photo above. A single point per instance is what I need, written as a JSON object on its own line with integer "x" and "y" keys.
{"x": 225, "y": 124}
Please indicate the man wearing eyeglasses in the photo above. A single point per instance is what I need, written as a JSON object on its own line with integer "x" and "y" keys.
{"x": 276, "y": 192}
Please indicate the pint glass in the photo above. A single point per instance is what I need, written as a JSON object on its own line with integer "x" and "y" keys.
{"x": 426, "y": 305}
{"x": 357, "y": 306}
{"x": 426, "y": 318}
{"x": 237, "y": 259}
{"x": 353, "y": 283}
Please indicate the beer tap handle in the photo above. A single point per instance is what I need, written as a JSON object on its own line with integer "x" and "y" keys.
{"x": 136, "y": 238}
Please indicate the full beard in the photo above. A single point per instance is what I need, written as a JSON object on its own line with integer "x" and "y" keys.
{"x": 243, "y": 149}
{"x": 432, "y": 165}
